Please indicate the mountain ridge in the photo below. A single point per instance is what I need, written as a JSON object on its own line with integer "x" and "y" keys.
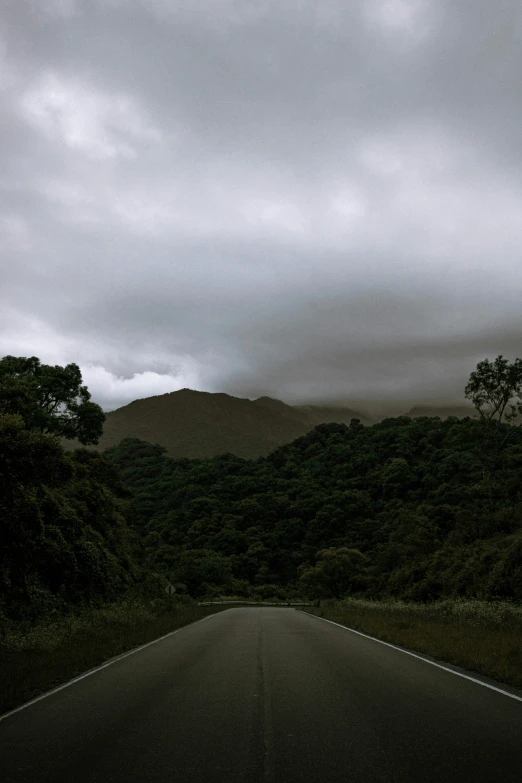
{"x": 200, "y": 425}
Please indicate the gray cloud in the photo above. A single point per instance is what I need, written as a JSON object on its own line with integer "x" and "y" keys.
{"x": 312, "y": 201}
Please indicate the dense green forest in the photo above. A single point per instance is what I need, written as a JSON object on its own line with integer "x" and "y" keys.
{"x": 64, "y": 540}
{"x": 417, "y": 509}
{"x": 412, "y": 508}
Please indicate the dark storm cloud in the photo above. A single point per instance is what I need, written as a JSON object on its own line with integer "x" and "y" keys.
{"x": 312, "y": 201}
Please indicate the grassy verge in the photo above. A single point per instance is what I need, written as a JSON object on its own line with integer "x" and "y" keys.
{"x": 34, "y": 659}
{"x": 480, "y": 636}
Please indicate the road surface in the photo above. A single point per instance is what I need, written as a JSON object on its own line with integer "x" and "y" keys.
{"x": 266, "y": 695}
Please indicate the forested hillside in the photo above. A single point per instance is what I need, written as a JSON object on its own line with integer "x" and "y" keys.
{"x": 415, "y": 508}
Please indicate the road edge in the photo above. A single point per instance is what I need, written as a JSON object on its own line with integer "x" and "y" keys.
{"x": 499, "y": 687}
{"x": 104, "y": 665}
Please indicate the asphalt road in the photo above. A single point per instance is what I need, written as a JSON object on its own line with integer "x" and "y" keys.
{"x": 267, "y": 695}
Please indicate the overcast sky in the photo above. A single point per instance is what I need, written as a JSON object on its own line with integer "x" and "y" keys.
{"x": 312, "y": 200}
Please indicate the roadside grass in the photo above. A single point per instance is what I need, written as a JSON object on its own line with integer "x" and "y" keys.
{"x": 36, "y": 658}
{"x": 481, "y": 636}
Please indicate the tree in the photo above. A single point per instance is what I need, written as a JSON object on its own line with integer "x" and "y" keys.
{"x": 493, "y": 385}
{"x": 337, "y": 572}
{"x": 51, "y": 400}
{"x": 64, "y": 540}
{"x": 396, "y": 477}
{"x": 201, "y": 570}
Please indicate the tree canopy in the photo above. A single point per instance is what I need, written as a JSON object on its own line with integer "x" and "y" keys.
{"x": 50, "y": 399}
{"x": 410, "y": 508}
{"x": 337, "y": 572}
{"x": 64, "y": 539}
{"x": 493, "y": 385}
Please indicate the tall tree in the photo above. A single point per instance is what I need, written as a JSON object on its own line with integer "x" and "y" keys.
{"x": 493, "y": 388}
{"x": 50, "y": 399}
{"x": 493, "y": 385}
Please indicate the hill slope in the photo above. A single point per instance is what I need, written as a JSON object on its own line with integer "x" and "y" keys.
{"x": 435, "y": 508}
{"x": 198, "y": 424}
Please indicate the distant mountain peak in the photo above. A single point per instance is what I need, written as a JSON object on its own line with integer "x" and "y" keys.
{"x": 186, "y": 390}
{"x": 270, "y": 402}
{"x": 197, "y": 424}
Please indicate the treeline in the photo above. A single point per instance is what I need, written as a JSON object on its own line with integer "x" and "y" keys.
{"x": 413, "y": 508}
